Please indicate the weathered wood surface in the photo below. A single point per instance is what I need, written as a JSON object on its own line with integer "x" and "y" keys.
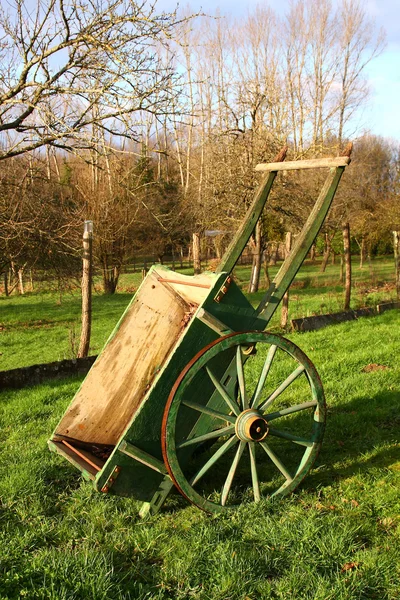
{"x": 125, "y": 370}
{"x": 296, "y": 165}
{"x": 192, "y": 289}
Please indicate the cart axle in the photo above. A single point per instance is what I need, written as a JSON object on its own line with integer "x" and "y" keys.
{"x": 251, "y": 426}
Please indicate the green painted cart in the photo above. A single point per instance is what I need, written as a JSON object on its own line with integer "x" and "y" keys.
{"x": 191, "y": 391}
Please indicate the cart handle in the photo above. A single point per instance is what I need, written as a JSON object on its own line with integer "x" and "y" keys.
{"x": 304, "y": 241}
{"x": 318, "y": 163}
{"x": 242, "y": 236}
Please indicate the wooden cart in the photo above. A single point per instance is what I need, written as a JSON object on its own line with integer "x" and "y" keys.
{"x": 191, "y": 391}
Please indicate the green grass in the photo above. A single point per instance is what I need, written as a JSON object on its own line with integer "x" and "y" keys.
{"x": 40, "y": 327}
{"x": 336, "y": 538}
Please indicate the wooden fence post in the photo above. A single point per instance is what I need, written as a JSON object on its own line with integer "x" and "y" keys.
{"x": 347, "y": 263}
{"x": 285, "y": 299}
{"x": 196, "y": 254}
{"x": 396, "y": 246}
{"x": 87, "y": 241}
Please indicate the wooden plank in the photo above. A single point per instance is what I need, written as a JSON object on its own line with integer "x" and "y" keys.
{"x": 212, "y": 322}
{"x": 118, "y": 381}
{"x": 192, "y": 289}
{"x": 88, "y": 471}
{"x": 84, "y": 455}
{"x": 381, "y": 308}
{"x": 189, "y": 283}
{"x": 295, "y": 165}
{"x": 143, "y": 457}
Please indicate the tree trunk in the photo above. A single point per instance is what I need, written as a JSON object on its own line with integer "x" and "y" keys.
{"x": 362, "y": 253}
{"x": 110, "y": 279}
{"x": 327, "y": 252}
{"x": 341, "y": 269}
{"x": 266, "y": 271}
{"x": 86, "y": 291}
{"x": 285, "y": 299}
{"x": 21, "y": 281}
{"x": 347, "y": 262}
{"x": 396, "y": 244}
{"x": 6, "y": 282}
{"x": 371, "y": 267}
{"x": 256, "y": 266}
{"x": 312, "y": 253}
{"x": 274, "y": 255}
{"x": 196, "y": 254}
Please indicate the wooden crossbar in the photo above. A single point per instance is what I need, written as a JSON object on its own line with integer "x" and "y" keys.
{"x": 317, "y": 163}
{"x": 178, "y": 282}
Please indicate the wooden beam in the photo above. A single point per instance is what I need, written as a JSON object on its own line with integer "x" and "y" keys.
{"x": 143, "y": 457}
{"x": 294, "y": 165}
{"x": 213, "y": 323}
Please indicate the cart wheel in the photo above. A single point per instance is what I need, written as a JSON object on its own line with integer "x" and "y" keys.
{"x": 268, "y": 405}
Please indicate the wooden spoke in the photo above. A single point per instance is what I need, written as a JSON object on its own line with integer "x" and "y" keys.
{"x": 240, "y": 373}
{"x": 221, "y": 389}
{"x": 254, "y": 475}
{"x": 292, "y": 438}
{"x": 289, "y": 380}
{"x": 231, "y": 474}
{"x": 207, "y": 436}
{"x": 277, "y": 461}
{"x": 290, "y": 410}
{"x": 209, "y": 411}
{"x": 263, "y": 376}
{"x": 216, "y": 456}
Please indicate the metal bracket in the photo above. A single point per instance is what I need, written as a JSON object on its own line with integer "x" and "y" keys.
{"x": 111, "y": 480}
{"x": 223, "y": 289}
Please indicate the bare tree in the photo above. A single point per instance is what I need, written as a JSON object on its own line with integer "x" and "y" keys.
{"x": 68, "y": 64}
{"x": 358, "y": 44}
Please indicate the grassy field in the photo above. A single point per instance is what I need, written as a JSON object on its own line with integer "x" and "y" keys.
{"x": 42, "y": 327}
{"x": 336, "y": 538}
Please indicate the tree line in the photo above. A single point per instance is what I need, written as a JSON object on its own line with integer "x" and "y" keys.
{"x": 151, "y": 123}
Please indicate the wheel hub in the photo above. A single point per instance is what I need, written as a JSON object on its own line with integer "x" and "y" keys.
{"x": 251, "y": 426}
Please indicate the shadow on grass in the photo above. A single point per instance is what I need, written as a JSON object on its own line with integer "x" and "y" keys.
{"x": 361, "y": 435}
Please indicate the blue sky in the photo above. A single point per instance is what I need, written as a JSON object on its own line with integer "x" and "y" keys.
{"x": 382, "y": 114}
